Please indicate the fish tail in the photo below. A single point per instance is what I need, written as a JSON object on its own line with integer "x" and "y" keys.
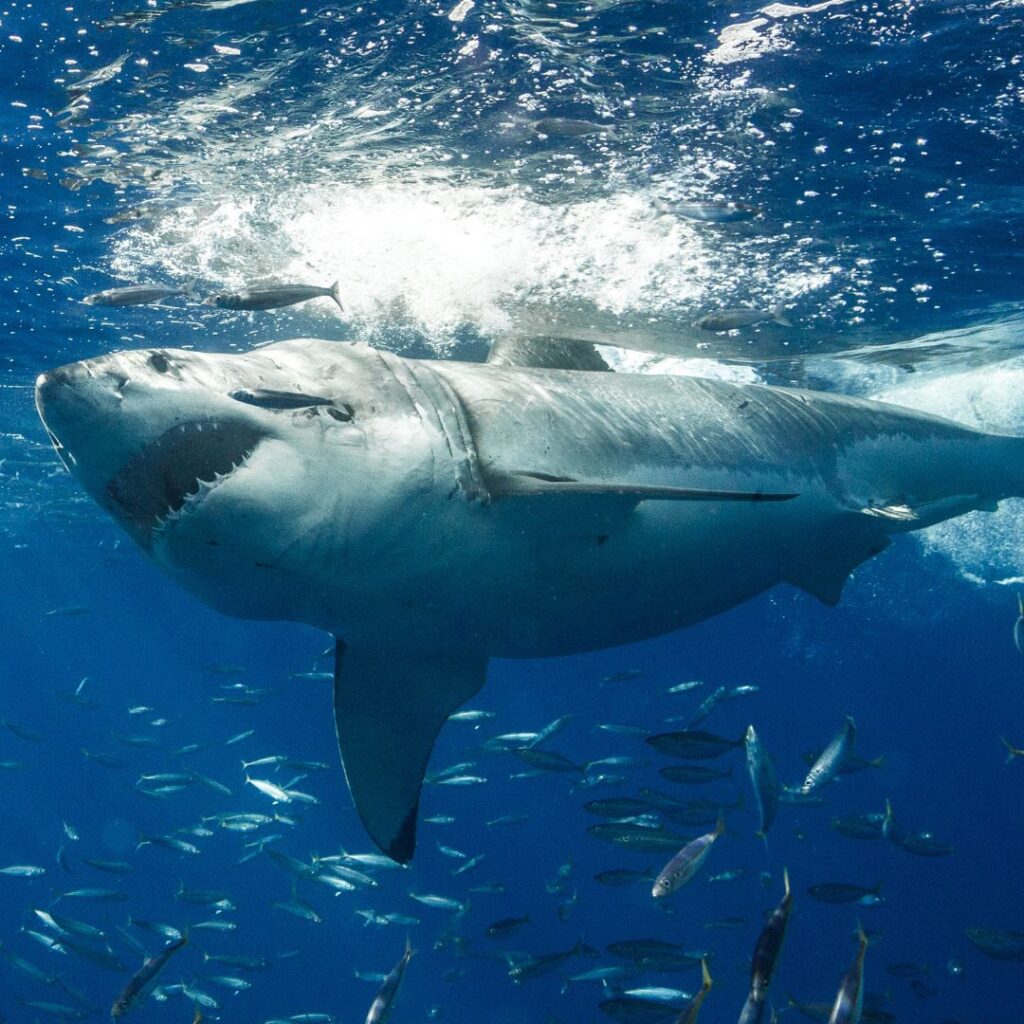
{"x": 1012, "y": 752}
{"x": 779, "y": 315}
{"x": 785, "y": 880}
{"x": 705, "y": 975}
{"x": 336, "y": 295}
{"x": 409, "y": 951}
{"x": 1020, "y": 604}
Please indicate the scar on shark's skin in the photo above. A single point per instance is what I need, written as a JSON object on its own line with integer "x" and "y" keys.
{"x": 434, "y": 514}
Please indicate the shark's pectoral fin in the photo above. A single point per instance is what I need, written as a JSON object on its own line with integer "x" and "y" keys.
{"x": 388, "y": 710}
{"x": 519, "y": 484}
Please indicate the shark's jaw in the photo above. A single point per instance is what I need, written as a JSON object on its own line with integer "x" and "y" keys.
{"x": 173, "y": 475}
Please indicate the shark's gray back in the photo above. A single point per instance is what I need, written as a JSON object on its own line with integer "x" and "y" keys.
{"x": 684, "y": 430}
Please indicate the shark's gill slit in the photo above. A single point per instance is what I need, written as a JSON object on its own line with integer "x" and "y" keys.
{"x": 264, "y": 398}
{"x": 175, "y": 468}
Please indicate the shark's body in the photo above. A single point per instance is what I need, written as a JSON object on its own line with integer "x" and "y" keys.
{"x": 434, "y": 514}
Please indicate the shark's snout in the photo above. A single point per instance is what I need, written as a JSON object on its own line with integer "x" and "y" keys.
{"x": 60, "y": 403}
{"x": 142, "y": 443}
{"x": 56, "y": 387}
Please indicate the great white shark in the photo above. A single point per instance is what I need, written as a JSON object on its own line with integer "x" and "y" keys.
{"x": 434, "y": 514}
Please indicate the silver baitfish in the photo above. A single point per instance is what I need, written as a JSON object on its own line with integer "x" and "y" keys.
{"x": 136, "y": 295}
{"x": 766, "y": 954}
{"x": 380, "y": 1009}
{"x": 832, "y": 758}
{"x": 142, "y": 982}
{"x": 690, "y": 1014}
{"x": 274, "y": 296}
{"x": 849, "y": 1004}
{"x": 741, "y": 316}
{"x": 685, "y": 864}
{"x": 569, "y": 127}
{"x": 762, "y": 776}
{"x": 710, "y": 213}
{"x": 537, "y": 966}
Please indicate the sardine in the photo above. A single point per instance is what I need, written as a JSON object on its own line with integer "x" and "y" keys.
{"x": 711, "y": 213}
{"x": 849, "y": 1004}
{"x": 832, "y": 758}
{"x": 274, "y": 296}
{"x": 537, "y": 966}
{"x": 763, "y": 779}
{"x": 569, "y": 127}
{"x": 380, "y": 1009}
{"x": 506, "y": 926}
{"x": 841, "y": 892}
{"x": 766, "y": 954}
{"x": 693, "y": 744}
{"x": 689, "y": 1015}
{"x": 135, "y": 295}
{"x": 685, "y": 864}
{"x": 142, "y": 982}
{"x": 998, "y": 944}
{"x": 741, "y": 316}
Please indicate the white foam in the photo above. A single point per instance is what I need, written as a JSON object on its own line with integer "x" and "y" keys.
{"x": 985, "y": 547}
{"x": 748, "y": 40}
{"x": 629, "y": 361}
{"x": 438, "y": 255}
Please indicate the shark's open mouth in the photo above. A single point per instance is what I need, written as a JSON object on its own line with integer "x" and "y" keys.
{"x": 177, "y": 470}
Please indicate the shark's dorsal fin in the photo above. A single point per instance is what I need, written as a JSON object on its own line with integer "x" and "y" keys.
{"x": 388, "y": 710}
{"x": 545, "y": 353}
{"x": 519, "y": 484}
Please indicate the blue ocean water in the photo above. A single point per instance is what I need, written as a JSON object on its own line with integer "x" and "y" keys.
{"x": 395, "y": 148}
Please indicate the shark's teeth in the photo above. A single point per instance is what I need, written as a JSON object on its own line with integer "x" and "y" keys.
{"x": 176, "y": 472}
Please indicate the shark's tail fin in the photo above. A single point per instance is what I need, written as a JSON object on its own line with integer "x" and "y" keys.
{"x": 336, "y": 295}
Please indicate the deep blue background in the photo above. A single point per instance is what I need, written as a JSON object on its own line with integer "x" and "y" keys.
{"x": 921, "y": 658}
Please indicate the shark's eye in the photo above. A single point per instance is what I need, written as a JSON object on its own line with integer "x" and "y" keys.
{"x": 267, "y": 399}
{"x": 159, "y": 362}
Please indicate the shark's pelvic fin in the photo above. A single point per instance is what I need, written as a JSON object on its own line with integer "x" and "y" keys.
{"x": 388, "y": 710}
{"x": 824, "y": 576}
{"x": 545, "y": 353}
{"x": 514, "y": 484}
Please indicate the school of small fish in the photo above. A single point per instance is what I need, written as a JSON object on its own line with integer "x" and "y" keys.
{"x": 73, "y": 924}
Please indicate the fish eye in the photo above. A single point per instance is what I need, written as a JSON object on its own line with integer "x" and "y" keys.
{"x": 159, "y": 362}
{"x": 268, "y": 399}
